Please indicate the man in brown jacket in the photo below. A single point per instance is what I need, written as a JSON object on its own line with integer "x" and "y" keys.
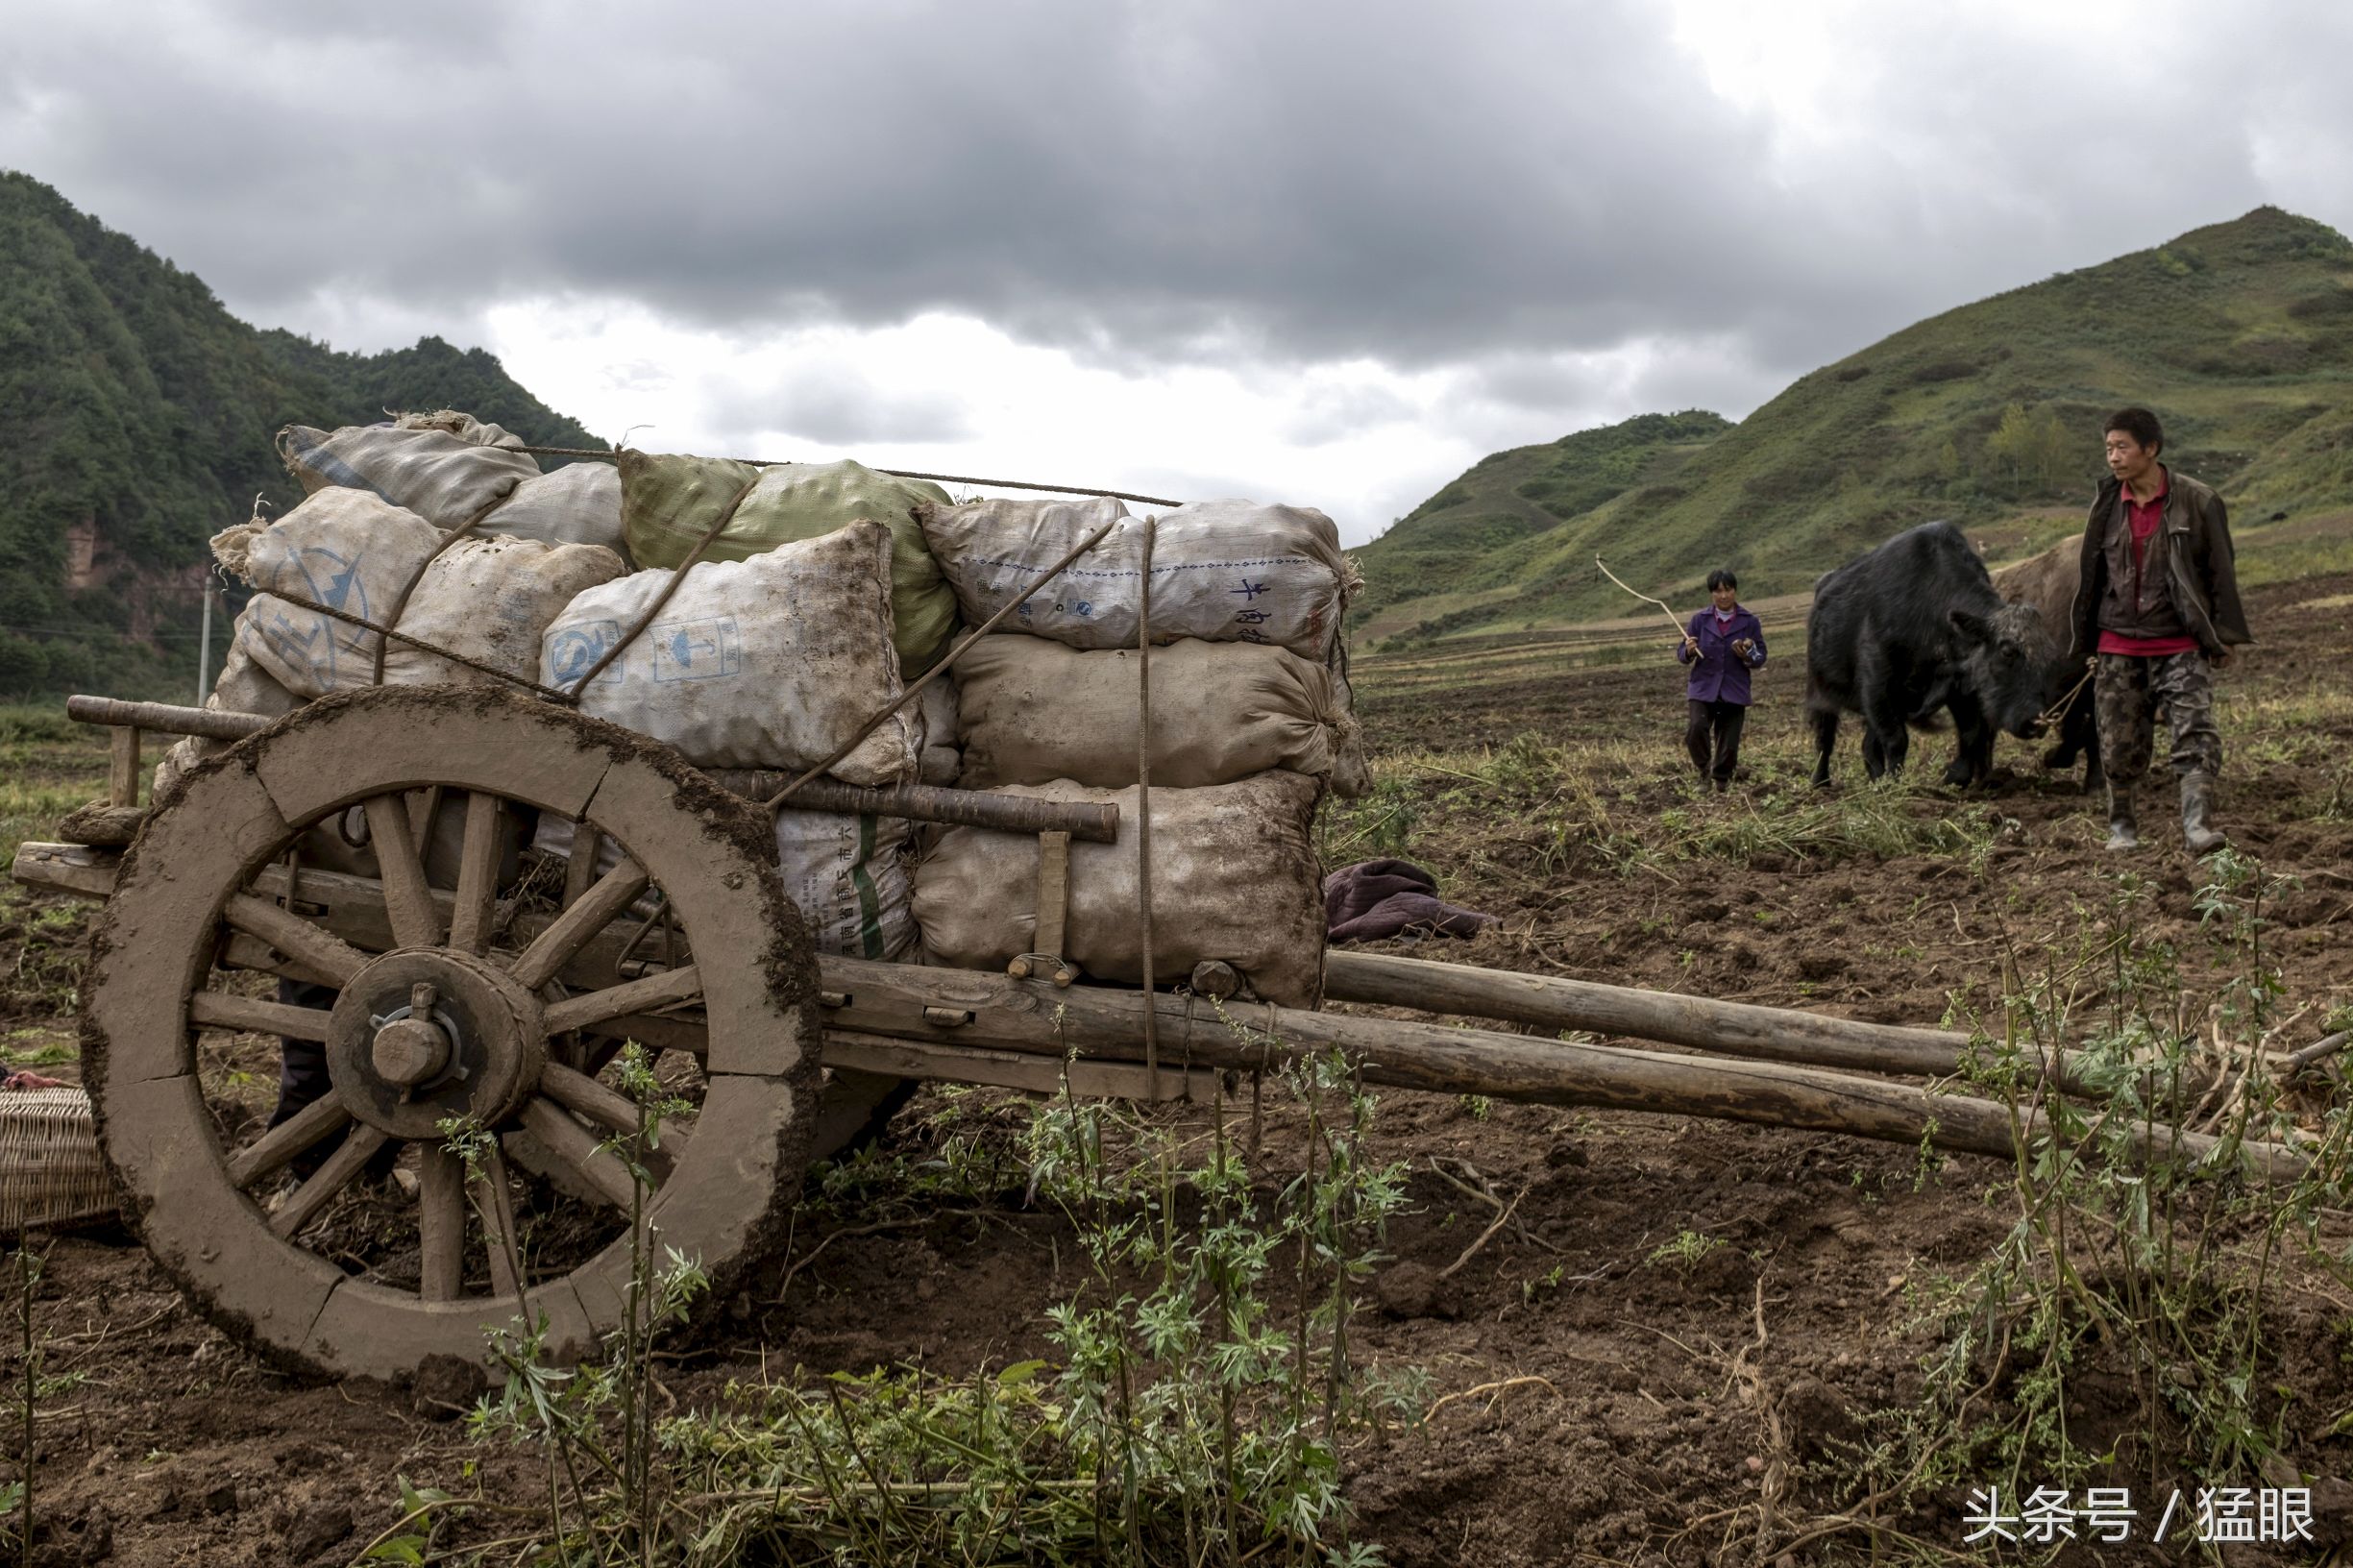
{"x": 2159, "y": 607}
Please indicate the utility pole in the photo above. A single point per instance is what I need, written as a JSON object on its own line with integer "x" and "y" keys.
{"x": 204, "y": 646}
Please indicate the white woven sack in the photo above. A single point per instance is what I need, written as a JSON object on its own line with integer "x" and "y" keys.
{"x": 488, "y": 600}
{"x": 1223, "y": 571}
{"x": 577, "y": 504}
{"x": 446, "y": 478}
{"x": 772, "y": 662}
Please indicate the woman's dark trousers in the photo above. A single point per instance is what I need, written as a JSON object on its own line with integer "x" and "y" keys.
{"x": 1715, "y": 728}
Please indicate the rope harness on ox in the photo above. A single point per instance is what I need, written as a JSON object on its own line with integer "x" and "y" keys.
{"x": 2091, "y": 668}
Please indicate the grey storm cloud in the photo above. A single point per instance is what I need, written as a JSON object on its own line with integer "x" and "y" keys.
{"x": 831, "y": 400}
{"x": 1229, "y": 179}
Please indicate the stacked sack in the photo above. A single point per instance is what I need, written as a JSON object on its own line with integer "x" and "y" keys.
{"x": 815, "y": 591}
{"x": 1250, "y": 723}
{"x": 450, "y": 468}
{"x": 771, "y": 653}
{"x": 774, "y": 647}
{"x": 487, "y": 600}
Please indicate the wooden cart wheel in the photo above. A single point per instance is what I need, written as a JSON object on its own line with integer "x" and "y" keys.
{"x": 447, "y": 1012}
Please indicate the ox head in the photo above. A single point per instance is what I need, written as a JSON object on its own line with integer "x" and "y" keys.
{"x": 2005, "y": 655}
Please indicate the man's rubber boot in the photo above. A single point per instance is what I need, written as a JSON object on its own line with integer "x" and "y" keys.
{"x": 2122, "y": 833}
{"x": 2196, "y": 807}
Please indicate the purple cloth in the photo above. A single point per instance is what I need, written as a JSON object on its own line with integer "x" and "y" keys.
{"x": 1719, "y": 674}
{"x": 1376, "y": 898}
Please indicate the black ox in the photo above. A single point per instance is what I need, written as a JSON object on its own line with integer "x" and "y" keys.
{"x": 1912, "y": 629}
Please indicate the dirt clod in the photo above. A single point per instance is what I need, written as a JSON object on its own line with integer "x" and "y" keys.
{"x": 1814, "y": 1418}
{"x": 319, "y": 1527}
{"x": 447, "y": 1386}
{"x": 1410, "y": 1290}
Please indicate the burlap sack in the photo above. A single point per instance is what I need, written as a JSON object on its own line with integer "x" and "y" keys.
{"x": 348, "y": 549}
{"x": 486, "y": 599}
{"x": 1223, "y": 571}
{"x": 577, "y": 504}
{"x": 443, "y": 478}
{"x": 1235, "y": 877}
{"x": 772, "y": 662}
{"x": 847, "y": 875}
{"x": 668, "y": 502}
{"x": 493, "y": 600}
{"x": 1029, "y": 711}
{"x": 936, "y": 710}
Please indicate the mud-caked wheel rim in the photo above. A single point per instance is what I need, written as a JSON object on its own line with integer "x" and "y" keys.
{"x": 453, "y": 1012}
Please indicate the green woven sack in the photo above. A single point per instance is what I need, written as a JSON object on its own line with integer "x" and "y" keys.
{"x": 668, "y": 503}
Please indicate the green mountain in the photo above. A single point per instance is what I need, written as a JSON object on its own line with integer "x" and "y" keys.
{"x": 2239, "y": 335}
{"x": 137, "y": 419}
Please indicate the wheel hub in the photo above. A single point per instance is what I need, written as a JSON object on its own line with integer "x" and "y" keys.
{"x": 415, "y": 1045}
{"x": 423, "y": 1035}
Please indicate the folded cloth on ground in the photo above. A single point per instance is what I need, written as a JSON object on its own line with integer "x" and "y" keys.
{"x": 1376, "y": 899}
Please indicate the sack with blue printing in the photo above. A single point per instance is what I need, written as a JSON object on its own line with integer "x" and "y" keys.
{"x": 772, "y": 662}
{"x": 487, "y": 601}
{"x": 1222, "y": 571}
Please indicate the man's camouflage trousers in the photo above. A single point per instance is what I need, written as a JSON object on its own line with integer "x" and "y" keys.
{"x": 2128, "y": 693}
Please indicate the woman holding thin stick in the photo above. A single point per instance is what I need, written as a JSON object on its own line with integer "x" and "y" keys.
{"x": 1722, "y": 645}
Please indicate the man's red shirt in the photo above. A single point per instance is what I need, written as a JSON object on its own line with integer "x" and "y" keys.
{"x": 2145, "y": 517}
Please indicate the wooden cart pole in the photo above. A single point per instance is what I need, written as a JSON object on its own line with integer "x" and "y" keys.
{"x": 994, "y": 1011}
{"x": 1772, "y": 1034}
{"x": 1769, "y": 1034}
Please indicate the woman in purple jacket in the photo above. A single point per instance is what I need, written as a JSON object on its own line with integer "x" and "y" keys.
{"x": 1722, "y": 646}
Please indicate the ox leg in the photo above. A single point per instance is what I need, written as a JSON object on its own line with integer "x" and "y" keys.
{"x": 1880, "y": 696}
{"x": 1973, "y": 759}
{"x": 1886, "y": 740}
{"x": 1826, "y": 736}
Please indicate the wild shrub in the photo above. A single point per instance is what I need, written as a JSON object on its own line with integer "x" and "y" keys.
{"x": 2138, "y": 1259}
{"x": 1202, "y": 1383}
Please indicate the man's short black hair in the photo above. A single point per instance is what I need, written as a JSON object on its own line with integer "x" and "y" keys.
{"x": 1722, "y": 578}
{"x": 2138, "y": 424}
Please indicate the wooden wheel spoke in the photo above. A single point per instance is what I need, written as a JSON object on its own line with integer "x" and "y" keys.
{"x": 478, "y": 874}
{"x": 441, "y": 1223}
{"x": 610, "y": 1109}
{"x": 586, "y": 916}
{"x": 298, "y": 939}
{"x": 408, "y": 900}
{"x": 654, "y": 992}
{"x": 580, "y": 864}
{"x": 269, "y": 1153}
{"x": 303, "y": 1202}
{"x": 495, "y": 1201}
{"x": 250, "y": 1015}
{"x": 575, "y": 1148}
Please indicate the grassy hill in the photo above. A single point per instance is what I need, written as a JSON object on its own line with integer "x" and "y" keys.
{"x": 2240, "y": 336}
{"x": 135, "y": 421}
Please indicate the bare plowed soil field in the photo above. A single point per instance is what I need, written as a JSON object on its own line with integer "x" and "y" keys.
{"x": 1618, "y": 1337}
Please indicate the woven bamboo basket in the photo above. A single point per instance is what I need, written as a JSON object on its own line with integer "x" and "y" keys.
{"x": 50, "y": 1174}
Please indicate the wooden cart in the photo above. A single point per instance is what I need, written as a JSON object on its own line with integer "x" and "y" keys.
{"x": 457, "y": 996}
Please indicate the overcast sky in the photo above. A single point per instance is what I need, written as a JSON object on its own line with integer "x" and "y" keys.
{"x": 1328, "y": 252}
